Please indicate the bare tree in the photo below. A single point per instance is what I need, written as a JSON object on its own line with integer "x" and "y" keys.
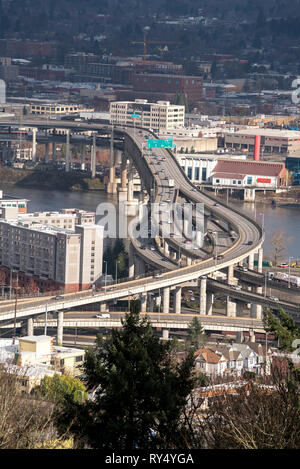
{"x": 25, "y": 422}
{"x": 278, "y": 246}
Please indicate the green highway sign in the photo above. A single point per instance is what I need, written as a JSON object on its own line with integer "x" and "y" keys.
{"x": 135, "y": 116}
{"x": 160, "y": 143}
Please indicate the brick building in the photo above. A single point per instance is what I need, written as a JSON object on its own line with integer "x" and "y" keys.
{"x": 190, "y": 86}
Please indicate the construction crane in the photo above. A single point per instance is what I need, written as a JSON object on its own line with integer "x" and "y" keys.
{"x": 145, "y": 42}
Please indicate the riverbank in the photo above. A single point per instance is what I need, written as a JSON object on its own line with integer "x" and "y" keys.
{"x": 50, "y": 179}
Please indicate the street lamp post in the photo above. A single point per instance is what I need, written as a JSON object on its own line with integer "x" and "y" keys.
{"x": 289, "y": 282}
{"x": 46, "y": 319}
{"x": 117, "y": 262}
{"x": 263, "y": 219}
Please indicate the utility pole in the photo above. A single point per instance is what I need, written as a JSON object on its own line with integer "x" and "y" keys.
{"x": 15, "y": 316}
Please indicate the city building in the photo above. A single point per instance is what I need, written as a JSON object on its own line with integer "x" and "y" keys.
{"x": 273, "y": 141}
{"x": 31, "y": 358}
{"x": 256, "y": 174}
{"x": 52, "y": 250}
{"x": 155, "y": 116}
{"x": 199, "y": 167}
{"x": 7, "y": 201}
{"x": 189, "y": 86}
{"x": 53, "y": 109}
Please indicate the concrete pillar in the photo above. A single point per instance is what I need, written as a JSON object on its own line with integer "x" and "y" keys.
{"x": 230, "y": 274}
{"x": 199, "y": 238}
{"x": 60, "y": 327}
{"x": 166, "y": 248}
{"x": 239, "y": 308}
{"x": 150, "y": 307}
{"x": 46, "y": 152}
{"x": 230, "y": 308}
{"x": 140, "y": 265}
{"x": 34, "y": 131}
{"x": 103, "y": 307}
{"x": 53, "y": 151}
{"x": 251, "y": 261}
{"x": 124, "y": 173}
{"x": 202, "y": 295}
{"x": 68, "y": 151}
{"x": 82, "y": 158}
{"x": 165, "y": 335}
{"x": 260, "y": 260}
{"x": 93, "y": 157}
{"x": 209, "y": 303}
{"x": 131, "y": 261}
{"x": 255, "y": 311}
{"x": 112, "y": 186}
{"x": 30, "y": 326}
{"x": 252, "y": 336}
{"x": 166, "y": 300}
{"x": 177, "y": 300}
{"x": 130, "y": 186}
{"x": 143, "y": 300}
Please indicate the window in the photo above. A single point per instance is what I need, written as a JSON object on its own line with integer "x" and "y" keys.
{"x": 204, "y": 174}
{"x": 79, "y": 358}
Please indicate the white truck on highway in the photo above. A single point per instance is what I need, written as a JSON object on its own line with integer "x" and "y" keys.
{"x": 285, "y": 278}
{"x": 171, "y": 182}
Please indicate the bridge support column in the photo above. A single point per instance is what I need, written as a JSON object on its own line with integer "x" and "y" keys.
{"x": 251, "y": 261}
{"x": 150, "y": 307}
{"x": 53, "y": 151}
{"x": 82, "y": 158}
{"x": 130, "y": 187}
{"x": 112, "y": 186}
{"x": 260, "y": 260}
{"x": 140, "y": 265}
{"x": 103, "y": 307}
{"x": 165, "y": 334}
{"x": 199, "y": 238}
{"x": 202, "y": 295}
{"x": 46, "y": 152}
{"x": 34, "y": 131}
{"x": 166, "y": 300}
{"x": 60, "y": 327}
{"x": 239, "y": 308}
{"x": 230, "y": 274}
{"x": 30, "y": 326}
{"x": 230, "y": 308}
{"x": 93, "y": 157}
{"x": 188, "y": 261}
{"x": 166, "y": 248}
{"x": 209, "y": 303}
{"x": 131, "y": 262}
{"x": 124, "y": 173}
{"x": 68, "y": 151}
{"x": 177, "y": 300}
{"x": 256, "y": 311}
{"x": 143, "y": 300}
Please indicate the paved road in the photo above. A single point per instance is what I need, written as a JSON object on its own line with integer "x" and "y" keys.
{"x": 248, "y": 231}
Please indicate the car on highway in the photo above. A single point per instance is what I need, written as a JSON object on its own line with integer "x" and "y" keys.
{"x": 236, "y": 287}
{"x": 283, "y": 266}
{"x": 216, "y": 204}
{"x": 157, "y": 275}
{"x": 102, "y": 316}
{"x": 273, "y": 298}
{"x": 152, "y": 248}
{"x": 249, "y": 243}
{"x": 59, "y": 297}
{"x": 219, "y": 257}
{"x": 243, "y": 269}
{"x": 187, "y": 241}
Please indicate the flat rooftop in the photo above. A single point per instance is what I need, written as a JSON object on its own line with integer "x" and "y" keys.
{"x": 274, "y": 133}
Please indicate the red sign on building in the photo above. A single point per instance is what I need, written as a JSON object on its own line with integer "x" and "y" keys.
{"x": 264, "y": 180}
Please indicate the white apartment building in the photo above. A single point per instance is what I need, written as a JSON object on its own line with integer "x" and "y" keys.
{"x": 68, "y": 257}
{"x": 67, "y": 218}
{"x": 155, "y": 116}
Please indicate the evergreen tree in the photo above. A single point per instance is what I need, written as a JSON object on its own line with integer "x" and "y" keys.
{"x": 284, "y": 327}
{"x": 195, "y": 334}
{"x": 140, "y": 396}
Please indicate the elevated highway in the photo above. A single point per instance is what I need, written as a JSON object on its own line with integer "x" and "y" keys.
{"x": 247, "y": 242}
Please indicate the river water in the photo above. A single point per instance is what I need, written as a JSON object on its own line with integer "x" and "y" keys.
{"x": 274, "y": 219}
